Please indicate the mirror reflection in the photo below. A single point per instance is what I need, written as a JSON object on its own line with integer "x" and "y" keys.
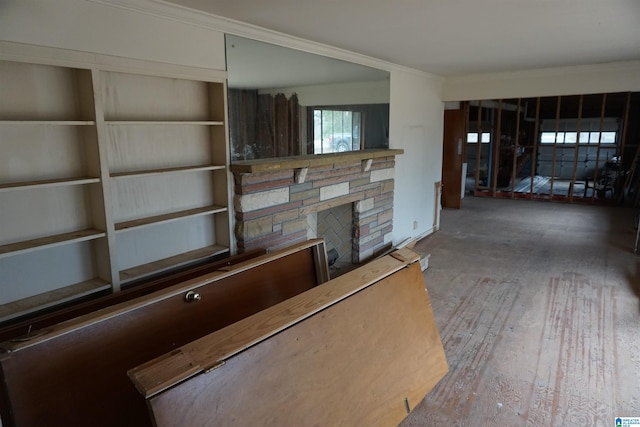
{"x": 284, "y": 102}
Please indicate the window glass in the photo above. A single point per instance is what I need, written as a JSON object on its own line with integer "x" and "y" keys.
{"x": 336, "y": 131}
{"x": 472, "y": 137}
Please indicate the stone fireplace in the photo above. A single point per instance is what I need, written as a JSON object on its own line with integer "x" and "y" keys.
{"x": 278, "y": 201}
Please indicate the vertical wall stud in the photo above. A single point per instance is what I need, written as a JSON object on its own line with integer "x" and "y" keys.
{"x": 577, "y": 149}
{"x": 555, "y": 147}
{"x": 496, "y": 151}
{"x": 516, "y": 144}
{"x": 597, "y": 166}
{"x": 536, "y": 142}
{"x": 478, "y": 149}
{"x": 620, "y": 194}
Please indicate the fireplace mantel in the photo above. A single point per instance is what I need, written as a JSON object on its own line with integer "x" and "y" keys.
{"x": 297, "y": 162}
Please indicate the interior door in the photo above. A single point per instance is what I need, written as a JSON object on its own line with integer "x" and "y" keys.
{"x": 452, "y": 155}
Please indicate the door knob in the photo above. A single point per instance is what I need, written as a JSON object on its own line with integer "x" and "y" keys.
{"x": 192, "y": 296}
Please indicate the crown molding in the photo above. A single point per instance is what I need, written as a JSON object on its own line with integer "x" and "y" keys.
{"x": 184, "y": 15}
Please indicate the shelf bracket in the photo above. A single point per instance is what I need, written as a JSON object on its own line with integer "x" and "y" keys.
{"x": 300, "y": 175}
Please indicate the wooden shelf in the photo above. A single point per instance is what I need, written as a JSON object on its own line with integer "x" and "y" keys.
{"x": 164, "y": 122}
{"x": 31, "y": 185}
{"x": 51, "y": 298}
{"x": 72, "y": 130}
{"x": 49, "y": 241}
{"x": 153, "y": 172}
{"x": 171, "y": 262}
{"x": 47, "y": 122}
{"x": 173, "y": 216}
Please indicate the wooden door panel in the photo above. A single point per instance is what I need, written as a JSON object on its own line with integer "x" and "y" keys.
{"x": 452, "y": 154}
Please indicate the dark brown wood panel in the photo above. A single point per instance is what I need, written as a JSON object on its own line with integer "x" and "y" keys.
{"x": 76, "y": 372}
{"x": 453, "y": 143}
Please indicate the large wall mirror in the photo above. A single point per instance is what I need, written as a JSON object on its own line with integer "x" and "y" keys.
{"x": 284, "y": 102}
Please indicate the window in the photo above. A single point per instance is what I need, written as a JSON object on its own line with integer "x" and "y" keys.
{"x": 472, "y": 137}
{"x": 585, "y": 137}
{"x": 336, "y": 130}
{"x": 589, "y": 132}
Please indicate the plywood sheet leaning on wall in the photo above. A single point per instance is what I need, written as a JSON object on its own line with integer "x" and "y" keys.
{"x": 362, "y": 349}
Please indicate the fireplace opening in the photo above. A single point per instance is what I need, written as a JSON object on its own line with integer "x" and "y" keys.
{"x": 335, "y": 226}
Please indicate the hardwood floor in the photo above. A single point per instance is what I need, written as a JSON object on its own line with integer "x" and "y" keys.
{"x": 538, "y": 309}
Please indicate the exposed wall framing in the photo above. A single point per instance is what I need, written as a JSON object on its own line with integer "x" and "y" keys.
{"x": 578, "y": 148}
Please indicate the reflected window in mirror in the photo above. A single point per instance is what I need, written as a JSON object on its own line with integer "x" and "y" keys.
{"x": 336, "y": 131}
{"x": 274, "y": 93}
{"x": 340, "y": 128}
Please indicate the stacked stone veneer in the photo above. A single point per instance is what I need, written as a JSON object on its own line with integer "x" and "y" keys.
{"x": 271, "y": 208}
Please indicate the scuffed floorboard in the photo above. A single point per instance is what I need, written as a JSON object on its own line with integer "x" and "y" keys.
{"x": 537, "y": 306}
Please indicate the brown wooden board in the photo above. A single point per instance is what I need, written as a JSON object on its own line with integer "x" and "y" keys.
{"x": 75, "y": 373}
{"x": 452, "y": 159}
{"x": 362, "y": 360}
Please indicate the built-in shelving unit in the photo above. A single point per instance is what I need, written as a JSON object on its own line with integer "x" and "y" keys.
{"x": 168, "y": 150}
{"x": 107, "y": 174}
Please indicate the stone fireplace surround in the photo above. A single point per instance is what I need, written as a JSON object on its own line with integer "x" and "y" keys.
{"x": 274, "y": 196}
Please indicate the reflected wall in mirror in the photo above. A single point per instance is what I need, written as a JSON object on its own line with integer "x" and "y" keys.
{"x": 284, "y": 102}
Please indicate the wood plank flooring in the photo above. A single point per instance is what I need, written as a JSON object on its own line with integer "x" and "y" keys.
{"x": 538, "y": 308}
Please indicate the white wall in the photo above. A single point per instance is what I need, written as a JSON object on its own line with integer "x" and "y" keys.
{"x": 416, "y": 118}
{"x": 598, "y": 78}
{"x": 98, "y": 28}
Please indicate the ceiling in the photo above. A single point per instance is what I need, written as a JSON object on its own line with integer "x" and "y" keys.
{"x": 454, "y": 37}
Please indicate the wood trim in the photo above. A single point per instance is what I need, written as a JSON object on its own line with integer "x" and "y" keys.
{"x": 310, "y": 160}
{"x": 50, "y": 241}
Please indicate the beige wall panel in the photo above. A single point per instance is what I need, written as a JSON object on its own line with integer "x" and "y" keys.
{"x": 37, "y": 213}
{"x": 144, "y": 147}
{"x": 148, "y": 196}
{"x": 152, "y": 243}
{"x": 29, "y": 274}
{"x": 135, "y": 97}
{"x": 31, "y": 153}
{"x": 40, "y": 92}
